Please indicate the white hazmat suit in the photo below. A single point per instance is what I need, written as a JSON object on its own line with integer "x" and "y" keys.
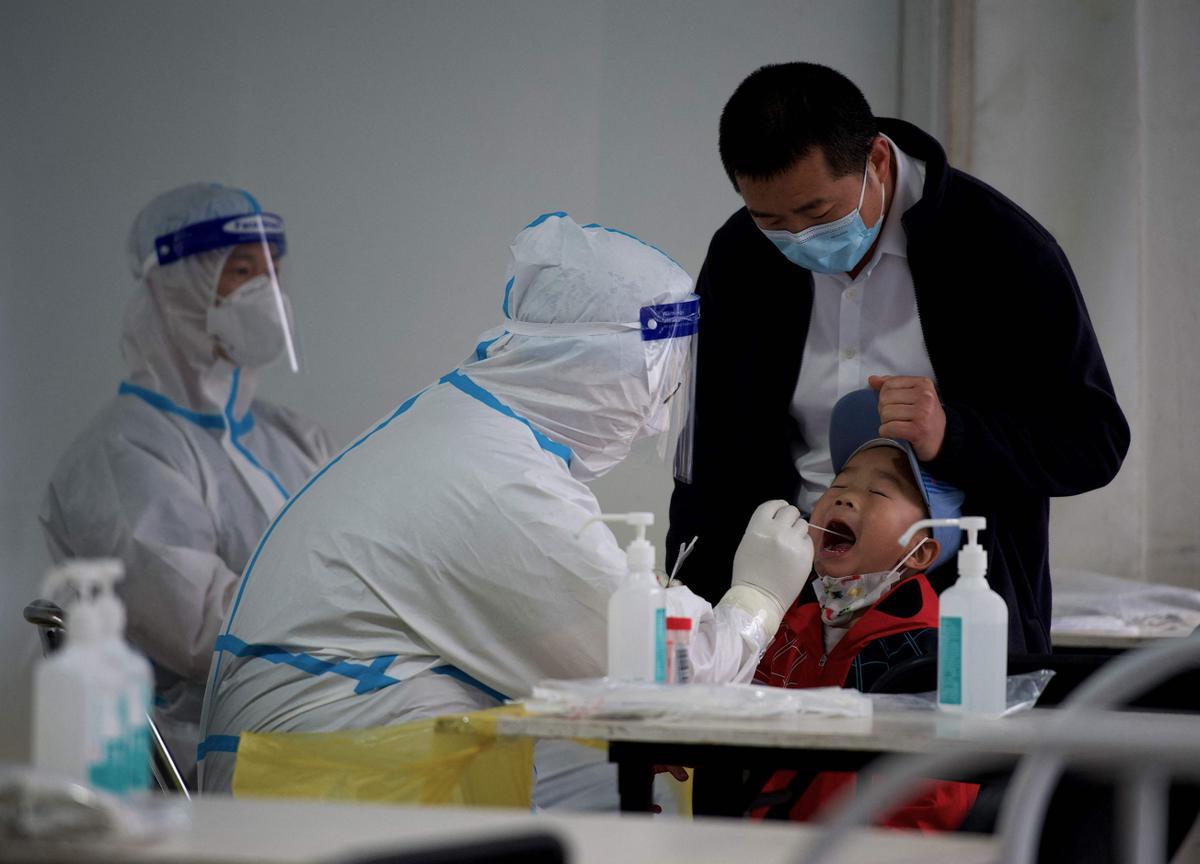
{"x": 181, "y": 472}
{"x": 437, "y": 564}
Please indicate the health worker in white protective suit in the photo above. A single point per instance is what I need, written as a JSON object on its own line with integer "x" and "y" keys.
{"x": 438, "y": 566}
{"x": 181, "y": 472}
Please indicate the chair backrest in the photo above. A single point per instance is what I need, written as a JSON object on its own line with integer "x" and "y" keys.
{"x": 1070, "y": 670}
{"x": 52, "y": 627}
{"x": 918, "y": 675}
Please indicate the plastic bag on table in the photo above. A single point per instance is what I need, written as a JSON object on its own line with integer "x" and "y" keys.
{"x": 447, "y": 760}
{"x": 40, "y": 808}
{"x": 600, "y": 697}
{"x": 1022, "y": 693}
{"x": 1086, "y": 602}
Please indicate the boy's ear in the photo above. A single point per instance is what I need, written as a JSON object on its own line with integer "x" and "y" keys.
{"x": 924, "y": 557}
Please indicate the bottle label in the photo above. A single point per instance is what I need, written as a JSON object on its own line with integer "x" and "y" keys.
{"x": 660, "y": 646}
{"x": 950, "y": 661}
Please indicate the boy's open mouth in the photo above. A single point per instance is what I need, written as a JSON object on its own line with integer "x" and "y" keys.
{"x": 834, "y": 545}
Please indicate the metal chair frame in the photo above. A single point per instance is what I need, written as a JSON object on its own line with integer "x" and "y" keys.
{"x": 1084, "y": 732}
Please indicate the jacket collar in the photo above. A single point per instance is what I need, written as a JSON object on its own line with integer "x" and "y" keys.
{"x": 879, "y": 620}
{"x": 923, "y": 146}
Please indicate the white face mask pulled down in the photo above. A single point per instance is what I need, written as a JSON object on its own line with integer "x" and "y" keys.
{"x": 841, "y": 596}
{"x": 248, "y": 326}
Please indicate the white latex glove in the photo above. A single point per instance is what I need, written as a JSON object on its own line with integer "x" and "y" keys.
{"x": 772, "y": 563}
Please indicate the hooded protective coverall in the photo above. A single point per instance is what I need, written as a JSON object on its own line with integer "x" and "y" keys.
{"x": 437, "y": 564}
{"x": 180, "y": 473}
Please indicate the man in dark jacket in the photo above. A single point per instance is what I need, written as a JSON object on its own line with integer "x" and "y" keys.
{"x": 863, "y": 259}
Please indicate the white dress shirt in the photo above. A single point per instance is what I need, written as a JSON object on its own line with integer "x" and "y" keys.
{"x": 859, "y": 327}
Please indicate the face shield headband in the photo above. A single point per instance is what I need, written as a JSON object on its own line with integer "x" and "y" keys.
{"x": 219, "y": 233}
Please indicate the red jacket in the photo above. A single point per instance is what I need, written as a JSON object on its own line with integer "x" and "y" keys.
{"x": 797, "y": 658}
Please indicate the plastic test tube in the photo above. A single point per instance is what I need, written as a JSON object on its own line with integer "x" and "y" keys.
{"x": 679, "y": 646}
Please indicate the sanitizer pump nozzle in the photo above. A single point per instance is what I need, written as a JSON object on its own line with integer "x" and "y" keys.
{"x": 637, "y": 610}
{"x": 972, "y": 629}
{"x": 639, "y": 555}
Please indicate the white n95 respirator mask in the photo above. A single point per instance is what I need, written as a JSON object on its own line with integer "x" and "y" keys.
{"x": 248, "y": 326}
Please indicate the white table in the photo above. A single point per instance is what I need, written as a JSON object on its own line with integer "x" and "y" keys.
{"x": 225, "y": 831}
{"x": 831, "y": 743}
{"x": 1115, "y": 640}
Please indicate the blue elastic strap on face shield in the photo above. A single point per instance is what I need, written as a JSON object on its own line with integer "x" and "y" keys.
{"x": 219, "y": 233}
{"x": 670, "y": 320}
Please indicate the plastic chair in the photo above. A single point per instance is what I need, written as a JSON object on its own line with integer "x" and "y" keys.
{"x": 1088, "y": 731}
{"x": 1080, "y": 810}
{"x": 52, "y": 631}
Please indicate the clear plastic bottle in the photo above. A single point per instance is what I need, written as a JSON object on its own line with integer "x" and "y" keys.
{"x": 637, "y": 610}
{"x": 972, "y": 630}
{"x": 77, "y": 719}
{"x": 679, "y": 650}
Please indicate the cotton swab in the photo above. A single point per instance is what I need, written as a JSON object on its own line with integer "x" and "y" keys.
{"x": 834, "y": 533}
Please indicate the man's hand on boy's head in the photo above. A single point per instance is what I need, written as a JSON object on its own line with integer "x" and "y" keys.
{"x": 911, "y": 411}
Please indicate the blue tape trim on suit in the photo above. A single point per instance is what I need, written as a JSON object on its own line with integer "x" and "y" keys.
{"x": 482, "y": 348}
{"x": 370, "y": 677}
{"x": 236, "y": 430}
{"x": 634, "y": 237}
{"x": 556, "y": 214}
{"x": 288, "y": 506}
{"x": 205, "y": 421}
{"x": 458, "y": 674}
{"x": 255, "y": 207}
{"x": 217, "y": 744}
{"x": 466, "y": 385}
{"x": 162, "y": 403}
{"x": 507, "y": 294}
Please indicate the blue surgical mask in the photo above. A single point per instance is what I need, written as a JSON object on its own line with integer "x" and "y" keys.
{"x": 834, "y": 247}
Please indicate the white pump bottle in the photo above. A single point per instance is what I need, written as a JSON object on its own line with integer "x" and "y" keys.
{"x": 77, "y": 718}
{"x": 972, "y": 629}
{"x": 637, "y": 610}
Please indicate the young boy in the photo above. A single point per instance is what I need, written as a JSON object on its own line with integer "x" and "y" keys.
{"x": 868, "y": 606}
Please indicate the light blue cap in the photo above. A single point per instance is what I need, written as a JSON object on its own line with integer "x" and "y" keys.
{"x": 854, "y": 427}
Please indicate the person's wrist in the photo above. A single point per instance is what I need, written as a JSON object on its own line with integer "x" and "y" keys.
{"x": 760, "y": 604}
{"x": 942, "y": 463}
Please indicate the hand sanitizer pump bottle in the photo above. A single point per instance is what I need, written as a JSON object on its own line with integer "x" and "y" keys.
{"x": 76, "y": 692}
{"x": 637, "y": 610}
{"x": 972, "y": 630}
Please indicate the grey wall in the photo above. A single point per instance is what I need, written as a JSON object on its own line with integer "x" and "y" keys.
{"x": 405, "y": 143}
{"x": 1085, "y": 112}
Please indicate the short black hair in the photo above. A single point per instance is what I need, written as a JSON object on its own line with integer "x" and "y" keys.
{"x": 782, "y": 111}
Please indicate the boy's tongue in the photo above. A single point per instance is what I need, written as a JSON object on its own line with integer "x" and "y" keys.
{"x": 833, "y": 544}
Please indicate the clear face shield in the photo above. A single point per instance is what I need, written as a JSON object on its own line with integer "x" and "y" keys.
{"x": 250, "y": 319}
{"x": 669, "y": 333}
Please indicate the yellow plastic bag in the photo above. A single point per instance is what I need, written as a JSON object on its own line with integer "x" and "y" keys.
{"x": 448, "y": 760}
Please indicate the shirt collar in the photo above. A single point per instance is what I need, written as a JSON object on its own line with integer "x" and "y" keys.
{"x": 910, "y": 175}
